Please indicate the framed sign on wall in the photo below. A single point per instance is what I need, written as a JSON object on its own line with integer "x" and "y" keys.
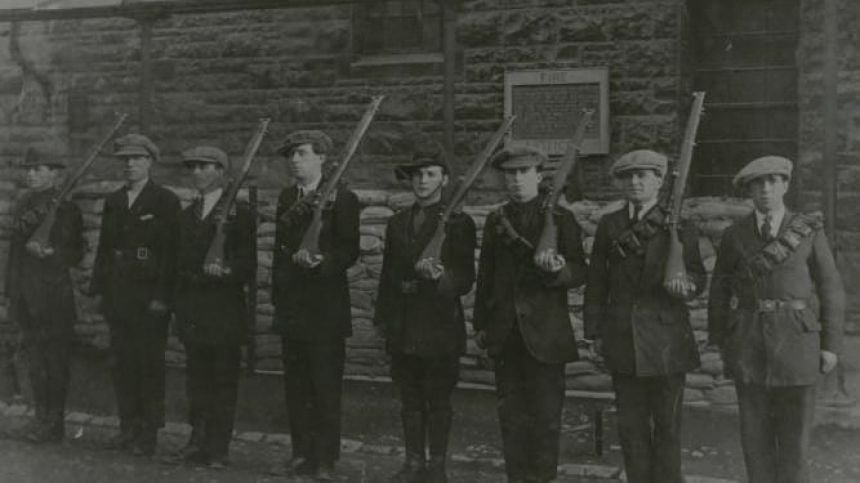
{"x": 549, "y": 102}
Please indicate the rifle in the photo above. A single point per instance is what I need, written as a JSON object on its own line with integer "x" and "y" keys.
{"x": 311, "y": 239}
{"x": 434, "y": 246}
{"x": 215, "y": 254}
{"x": 42, "y": 235}
{"x": 675, "y": 268}
{"x": 548, "y": 240}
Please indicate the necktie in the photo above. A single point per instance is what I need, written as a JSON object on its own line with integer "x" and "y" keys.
{"x": 767, "y": 228}
{"x": 198, "y": 208}
{"x": 637, "y": 213}
{"x": 418, "y": 220}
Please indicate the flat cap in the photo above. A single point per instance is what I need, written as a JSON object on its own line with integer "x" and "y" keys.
{"x": 34, "y": 158}
{"x": 319, "y": 140}
{"x": 428, "y": 153}
{"x": 518, "y": 157}
{"x": 640, "y": 159}
{"x": 206, "y": 154}
{"x": 135, "y": 145}
{"x": 762, "y": 166}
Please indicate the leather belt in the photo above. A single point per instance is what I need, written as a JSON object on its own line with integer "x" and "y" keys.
{"x": 775, "y": 305}
{"x": 138, "y": 253}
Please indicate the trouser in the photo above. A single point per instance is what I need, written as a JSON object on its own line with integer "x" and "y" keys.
{"x": 48, "y": 358}
{"x": 137, "y": 347}
{"x": 776, "y": 424}
{"x": 213, "y": 383}
{"x": 530, "y": 397}
{"x": 649, "y": 426}
{"x": 425, "y": 386}
{"x": 313, "y": 379}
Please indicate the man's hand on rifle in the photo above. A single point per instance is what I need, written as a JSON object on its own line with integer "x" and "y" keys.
{"x": 303, "y": 258}
{"x": 429, "y": 269}
{"x": 37, "y": 250}
{"x": 216, "y": 270}
{"x": 680, "y": 288}
{"x": 549, "y": 261}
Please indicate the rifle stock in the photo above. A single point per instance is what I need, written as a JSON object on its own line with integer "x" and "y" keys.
{"x": 42, "y": 234}
{"x": 548, "y": 240}
{"x": 433, "y": 249}
{"x": 311, "y": 239}
{"x": 215, "y": 254}
{"x": 675, "y": 268}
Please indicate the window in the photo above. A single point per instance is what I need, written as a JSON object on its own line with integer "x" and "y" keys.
{"x": 397, "y": 26}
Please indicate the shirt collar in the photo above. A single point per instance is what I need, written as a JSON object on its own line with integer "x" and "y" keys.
{"x": 631, "y": 208}
{"x": 212, "y": 196}
{"x": 775, "y": 217}
{"x": 310, "y": 187}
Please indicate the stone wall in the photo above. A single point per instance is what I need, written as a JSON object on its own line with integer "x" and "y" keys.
{"x": 810, "y": 89}
{"x": 365, "y": 353}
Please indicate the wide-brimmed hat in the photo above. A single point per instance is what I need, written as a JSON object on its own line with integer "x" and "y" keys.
{"x": 428, "y": 153}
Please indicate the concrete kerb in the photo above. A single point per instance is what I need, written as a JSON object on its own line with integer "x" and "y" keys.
{"x": 348, "y": 446}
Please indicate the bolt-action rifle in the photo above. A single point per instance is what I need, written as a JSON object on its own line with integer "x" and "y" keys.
{"x": 433, "y": 250}
{"x": 548, "y": 240}
{"x": 310, "y": 241}
{"x": 42, "y": 234}
{"x": 215, "y": 254}
{"x": 675, "y": 268}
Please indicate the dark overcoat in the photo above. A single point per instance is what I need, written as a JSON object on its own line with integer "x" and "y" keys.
{"x": 424, "y": 317}
{"x": 212, "y": 310}
{"x": 645, "y": 331}
{"x": 513, "y": 292}
{"x": 136, "y": 258}
{"x": 43, "y": 286}
{"x": 314, "y": 303}
{"x": 781, "y": 347}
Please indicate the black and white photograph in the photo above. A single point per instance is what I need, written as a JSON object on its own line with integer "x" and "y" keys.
{"x": 430, "y": 241}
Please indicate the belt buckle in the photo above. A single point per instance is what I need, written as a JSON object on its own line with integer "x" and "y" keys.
{"x": 409, "y": 287}
{"x": 767, "y": 305}
{"x": 142, "y": 253}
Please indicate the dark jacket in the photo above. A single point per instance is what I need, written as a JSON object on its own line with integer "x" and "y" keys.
{"x": 513, "y": 292}
{"x": 645, "y": 331}
{"x": 314, "y": 303}
{"x": 136, "y": 258}
{"x": 424, "y": 317}
{"x": 43, "y": 287}
{"x": 782, "y": 347}
{"x": 212, "y": 310}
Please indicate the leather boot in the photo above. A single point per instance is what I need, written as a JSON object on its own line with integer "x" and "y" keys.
{"x": 438, "y": 428}
{"x": 413, "y": 434}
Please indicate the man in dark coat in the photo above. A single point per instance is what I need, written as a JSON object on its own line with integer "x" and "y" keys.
{"x": 312, "y": 307}
{"x": 418, "y": 310}
{"x": 210, "y": 303}
{"x": 641, "y": 324}
{"x": 41, "y": 295}
{"x": 776, "y": 311}
{"x": 134, "y": 275}
{"x": 521, "y": 315}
